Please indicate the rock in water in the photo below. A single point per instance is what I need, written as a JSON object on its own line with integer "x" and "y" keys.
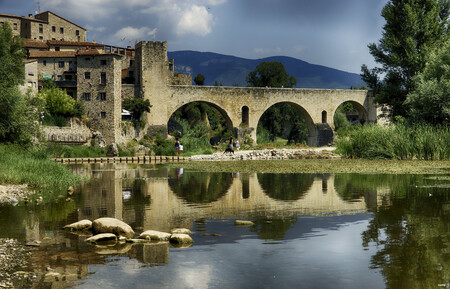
{"x": 80, "y": 225}
{"x": 155, "y": 235}
{"x": 102, "y": 238}
{"x": 111, "y": 225}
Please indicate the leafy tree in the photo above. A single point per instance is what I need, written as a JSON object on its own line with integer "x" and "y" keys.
{"x": 270, "y": 74}
{"x": 430, "y": 101}
{"x": 57, "y": 101}
{"x": 199, "y": 79}
{"x": 413, "y": 28}
{"x": 16, "y": 113}
{"x": 137, "y": 107}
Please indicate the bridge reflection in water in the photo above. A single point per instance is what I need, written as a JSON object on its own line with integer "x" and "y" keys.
{"x": 152, "y": 198}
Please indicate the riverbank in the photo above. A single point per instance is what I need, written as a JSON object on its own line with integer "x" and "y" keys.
{"x": 271, "y": 154}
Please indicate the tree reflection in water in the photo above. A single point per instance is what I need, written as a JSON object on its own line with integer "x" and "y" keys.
{"x": 200, "y": 188}
{"x": 285, "y": 187}
{"x": 412, "y": 234}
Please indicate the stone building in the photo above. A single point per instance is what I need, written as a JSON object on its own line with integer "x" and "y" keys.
{"x": 99, "y": 87}
{"x": 45, "y": 26}
{"x": 13, "y": 21}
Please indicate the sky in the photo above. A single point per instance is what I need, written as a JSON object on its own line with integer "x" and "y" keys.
{"x": 333, "y": 33}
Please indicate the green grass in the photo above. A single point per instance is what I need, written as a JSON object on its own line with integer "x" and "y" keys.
{"x": 397, "y": 141}
{"x": 34, "y": 168}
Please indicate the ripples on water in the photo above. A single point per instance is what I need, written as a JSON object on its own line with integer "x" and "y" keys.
{"x": 310, "y": 230}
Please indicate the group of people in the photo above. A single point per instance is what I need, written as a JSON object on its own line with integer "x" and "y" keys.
{"x": 179, "y": 145}
{"x": 235, "y": 143}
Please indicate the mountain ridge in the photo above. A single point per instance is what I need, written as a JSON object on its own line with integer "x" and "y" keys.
{"x": 231, "y": 70}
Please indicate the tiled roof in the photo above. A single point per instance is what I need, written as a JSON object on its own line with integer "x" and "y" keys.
{"x": 35, "y": 43}
{"x": 52, "y": 54}
{"x": 73, "y": 43}
{"x": 21, "y": 17}
{"x": 88, "y": 52}
{"x": 29, "y": 60}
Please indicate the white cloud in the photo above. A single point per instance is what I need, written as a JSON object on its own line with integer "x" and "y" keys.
{"x": 131, "y": 33}
{"x": 196, "y": 20}
{"x": 267, "y": 51}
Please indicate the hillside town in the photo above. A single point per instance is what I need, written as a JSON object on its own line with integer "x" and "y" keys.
{"x": 97, "y": 74}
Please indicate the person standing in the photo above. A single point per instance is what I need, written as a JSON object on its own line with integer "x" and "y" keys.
{"x": 236, "y": 144}
{"x": 181, "y": 149}
{"x": 176, "y": 146}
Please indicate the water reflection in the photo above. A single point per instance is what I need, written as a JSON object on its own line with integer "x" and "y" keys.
{"x": 294, "y": 187}
{"x": 402, "y": 224}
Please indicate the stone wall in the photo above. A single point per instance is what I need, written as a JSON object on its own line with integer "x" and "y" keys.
{"x": 76, "y": 133}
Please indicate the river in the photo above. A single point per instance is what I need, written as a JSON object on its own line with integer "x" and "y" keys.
{"x": 310, "y": 230}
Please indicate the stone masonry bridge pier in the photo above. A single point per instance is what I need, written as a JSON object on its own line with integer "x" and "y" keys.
{"x": 242, "y": 107}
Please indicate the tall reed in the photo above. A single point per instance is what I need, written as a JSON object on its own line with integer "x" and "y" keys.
{"x": 34, "y": 167}
{"x": 397, "y": 141}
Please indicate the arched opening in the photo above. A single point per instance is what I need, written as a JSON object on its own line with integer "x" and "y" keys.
{"x": 349, "y": 113}
{"x": 198, "y": 125}
{"x": 245, "y": 118}
{"x": 285, "y": 187}
{"x": 286, "y": 123}
{"x": 324, "y": 116}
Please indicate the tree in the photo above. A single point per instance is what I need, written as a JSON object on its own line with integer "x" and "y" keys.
{"x": 430, "y": 101}
{"x": 16, "y": 113}
{"x": 58, "y": 102}
{"x": 413, "y": 28}
{"x": 137, "y": 107}
{"x": 270, "y": 74}
{"x": 199, "y": 79}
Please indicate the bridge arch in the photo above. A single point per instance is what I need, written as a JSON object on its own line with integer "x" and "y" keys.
{"x": 363, "y": 115}
{"x": 223, "y": 112}
{"x": 312, "y": 130}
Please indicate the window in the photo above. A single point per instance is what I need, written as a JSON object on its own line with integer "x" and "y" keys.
{"x": 41, "y": 38}
{"x": 15, "y": 26}
{"x": 61, "y": 64}
{"x": 53, "y": 29}
{"x": 245, "y": 117}
{"x": 44, "y": 62}
{"x": 61, "y": 30}
{"x": 103, "y": 78}
{"x": 41, "y": 28}
{"x": 324, "y": 116}
{"x": 103, "y": 114}
{"x": 60, "y": 78}
{"x": 87, "y": 96}
{"x": 57, "y": 48}
{"x": 102, "y": 95}
{"x": 77, "y": 32}
{"x": 103, "y": 62}
{"x": 68, "y": 77}
{"x": 87, "y": 75}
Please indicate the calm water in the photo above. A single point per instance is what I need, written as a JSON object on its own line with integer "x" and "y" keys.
{"x": 311, "y": 230}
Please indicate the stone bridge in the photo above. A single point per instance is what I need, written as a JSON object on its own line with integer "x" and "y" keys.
{"x": 242, "y": 107}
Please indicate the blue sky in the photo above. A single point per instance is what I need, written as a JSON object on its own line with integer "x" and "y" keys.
{"x": 333, "y": 33}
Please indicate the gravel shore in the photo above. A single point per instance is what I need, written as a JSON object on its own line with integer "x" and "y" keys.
{"x": 271, "y": 154}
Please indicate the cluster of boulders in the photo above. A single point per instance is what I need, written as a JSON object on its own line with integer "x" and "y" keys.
{"x": 272, "y": 154}
{"x": 111, "y": 229}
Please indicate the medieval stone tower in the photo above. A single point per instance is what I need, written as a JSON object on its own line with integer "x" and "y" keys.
{"x": 153, "y": 76}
